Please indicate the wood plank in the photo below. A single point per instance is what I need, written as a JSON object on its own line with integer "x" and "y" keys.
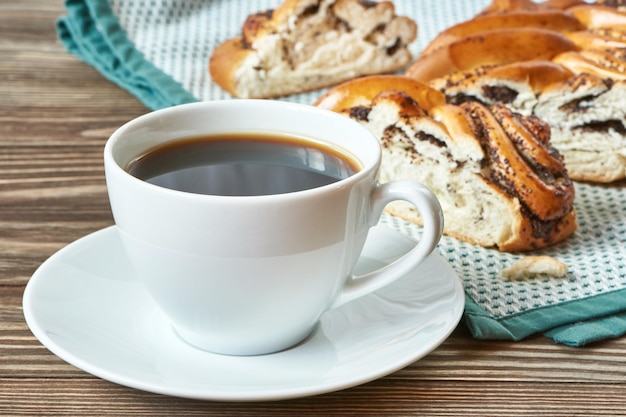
{"x": 80, "y": 397}
{"x": 55, "y": 115}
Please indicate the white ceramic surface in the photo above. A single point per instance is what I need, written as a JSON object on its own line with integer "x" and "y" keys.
{"x": 85, "y": 305}
{"x": 253, "y": 274}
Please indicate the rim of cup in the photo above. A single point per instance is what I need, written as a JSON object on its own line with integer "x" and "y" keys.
{"x": 365, "y": 168}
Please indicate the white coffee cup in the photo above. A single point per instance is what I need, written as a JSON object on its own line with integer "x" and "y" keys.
{"x": 252, "y": 275}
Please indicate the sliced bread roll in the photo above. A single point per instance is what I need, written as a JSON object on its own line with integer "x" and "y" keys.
{"x": 586, "y": 112}
{"x": 578, "y": 91}
{"x": 499, "y": 181}
{"x": 305, "y": 45}
{"x": 587, "y": 115}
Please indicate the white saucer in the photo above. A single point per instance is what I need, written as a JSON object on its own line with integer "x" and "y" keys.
{"x": 85, "y": 306}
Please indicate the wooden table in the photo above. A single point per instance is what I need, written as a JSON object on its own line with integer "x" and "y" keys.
{"x": 55, "y": 115}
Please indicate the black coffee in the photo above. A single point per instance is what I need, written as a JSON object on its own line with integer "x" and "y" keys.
{"x": 243, "y": 165}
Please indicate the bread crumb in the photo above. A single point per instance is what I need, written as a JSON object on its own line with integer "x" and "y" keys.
{"x": 534, "y": 267}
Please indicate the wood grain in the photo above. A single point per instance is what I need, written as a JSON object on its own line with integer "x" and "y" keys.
{"x": 55, "y": 115}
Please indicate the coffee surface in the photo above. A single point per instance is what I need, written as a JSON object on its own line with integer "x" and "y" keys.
{"x": 243, "y": 165}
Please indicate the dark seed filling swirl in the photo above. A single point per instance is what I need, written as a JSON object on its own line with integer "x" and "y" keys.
{"x": 523, "y": 164}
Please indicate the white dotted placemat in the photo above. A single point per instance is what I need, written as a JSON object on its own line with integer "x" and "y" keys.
{"x": 159, "y": 50}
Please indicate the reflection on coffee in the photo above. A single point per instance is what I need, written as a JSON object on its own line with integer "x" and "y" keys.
{"x": 243, "y": 165}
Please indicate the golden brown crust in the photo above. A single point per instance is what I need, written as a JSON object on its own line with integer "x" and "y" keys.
{"x": 496, "y": 47}
{"x": 605, "y": 64}
{"x": 407, "y": 106}
{"x": 560, "y": 4}
{"x": 538, "y": 74}
{"x": 499, "y": 6}
{"x": 533, "y": 235}
{"x": 461, "y": 130}
{"x": 593, "y": 16}
{"x": 555, "y": 20}
{"x": 225, "y": 60}
{"x": 598, "y": 39}
{"x": 363, "y": 90}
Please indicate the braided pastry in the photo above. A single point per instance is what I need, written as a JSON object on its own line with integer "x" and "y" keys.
{"x": 304, "y": 45}
{"x": 522, "y": 160}
{"x": 499, "y": 182}
{"x": 578, "y": 91}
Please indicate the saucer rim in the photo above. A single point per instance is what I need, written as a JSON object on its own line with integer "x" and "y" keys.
{"x": 457, "y": 304}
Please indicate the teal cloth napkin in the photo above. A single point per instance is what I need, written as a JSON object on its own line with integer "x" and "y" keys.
{"x": 92, "y": 32}
{"x": 159, "y": 50}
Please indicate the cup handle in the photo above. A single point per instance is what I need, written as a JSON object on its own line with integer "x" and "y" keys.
{"x": 430, "y": 210}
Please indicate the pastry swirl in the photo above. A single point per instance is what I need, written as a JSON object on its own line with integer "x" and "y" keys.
{"x": 522, "y": 159}
{"x": 499, "y": 182}
{"x": 304, "y": 45}
{"x": 577, "y": 86}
